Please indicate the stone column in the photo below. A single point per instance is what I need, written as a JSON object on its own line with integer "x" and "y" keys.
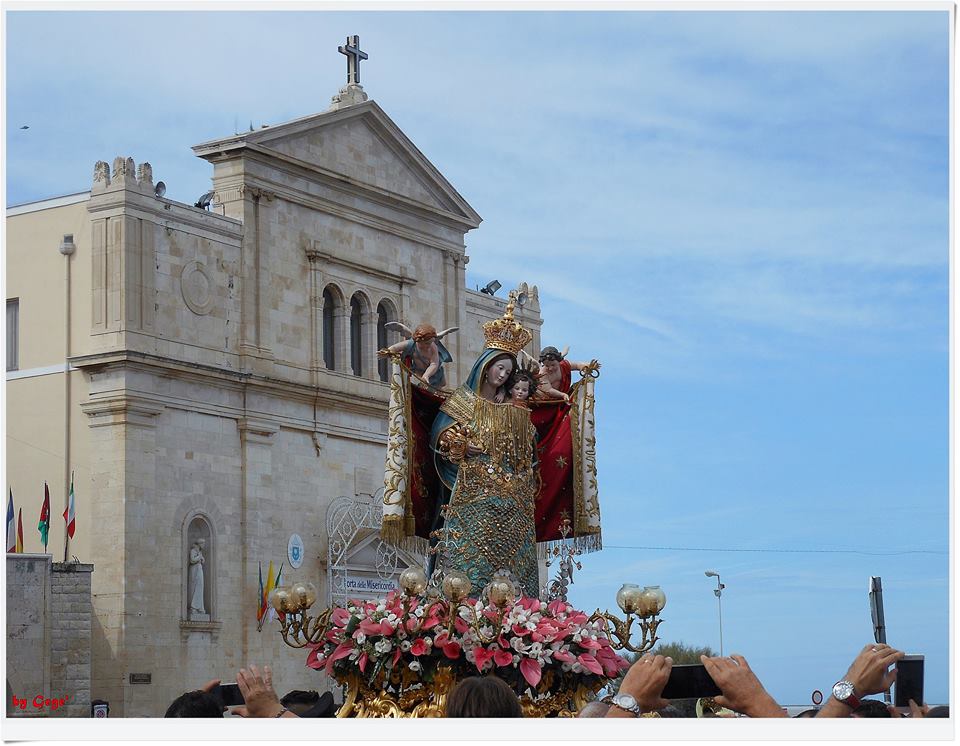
{"x": 341, "y": 334}
{"x": 315, "y": 301}
{"x": 368, "y": 344}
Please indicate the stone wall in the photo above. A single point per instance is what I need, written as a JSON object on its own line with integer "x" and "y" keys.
{"x": 48, "y": 637}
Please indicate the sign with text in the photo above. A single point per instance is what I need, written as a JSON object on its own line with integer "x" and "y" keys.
{"x": 357, "y": 586}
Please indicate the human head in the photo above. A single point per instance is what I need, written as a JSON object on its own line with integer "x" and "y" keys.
{"x": 595, "y": 709}
{"x": 940, "y": 711}
{"x": 811, "y": 713}
{"x": 550, "y": 358}
{"x": 483, "y": 697}
{"x": 424, "y": 333}
{"x": 196, "y": 704}
{"x": 498, "y": 370}
{"x": 306, "y": 704}
{"x": 871, "y": 708}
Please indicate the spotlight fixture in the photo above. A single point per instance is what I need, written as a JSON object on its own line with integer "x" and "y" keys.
{"x": 491, "y": 287}
{"x": 160, "y": 189}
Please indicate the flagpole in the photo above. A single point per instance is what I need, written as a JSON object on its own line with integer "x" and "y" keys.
{"x": 66, "y": 523}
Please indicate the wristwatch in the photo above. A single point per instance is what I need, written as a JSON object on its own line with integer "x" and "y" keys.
{"x": 626, "y": 702}
{"x": 843, "y": 692}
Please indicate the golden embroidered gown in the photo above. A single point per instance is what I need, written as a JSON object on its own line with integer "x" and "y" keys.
{"x": 489, "y": 522}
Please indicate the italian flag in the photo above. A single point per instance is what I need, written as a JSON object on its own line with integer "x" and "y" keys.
{"x": 69, "y": 514}
{"x": 20, "y": 530}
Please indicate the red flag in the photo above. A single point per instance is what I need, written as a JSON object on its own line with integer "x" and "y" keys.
{"x": 44, "y": 525}
{"x": 69, "y": 513}
{"x": 20, "y": 530}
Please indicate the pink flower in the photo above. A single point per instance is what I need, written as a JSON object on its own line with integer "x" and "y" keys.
{"x": 481, "y": 656}
{"x": 430, "y": 621}
{"x": 452, "y": 650}
{"x": 370, "y": 627}
{"x": 558, "y": 607}
{"x": 340, "y": 617}
{"x": 564, "y": 656}
{"x": 315, "y": 659}
{"x": 342, "y": 651}
{"x": 530, "y": 604}
{"x": 503, "y": 657}
{"x": 530, "y": 670}
{"x": 590, "y": 663}
{"x": 461, "y": 625}
{"x": 362, "y": 662}
{"x": 520, "y": 631}
{"x": 419, "y": 647}
{"x": 586, "y": 642}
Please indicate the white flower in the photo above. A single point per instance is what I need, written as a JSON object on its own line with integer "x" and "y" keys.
{"x": 516, "y": 660}
{"x": 383, "y": 646}
{"x": 543, "y": 606}
{"x": 405, "y": 645}
{"x": 361, "y": 638}
{"x": 418, "y": 612}
{"x": 531, "y": 625}
{"x": 381, "y": 607}
{"x": 516, "y": 643}
{"x": 354, "y": 654}
{"x": 414, "y": 666}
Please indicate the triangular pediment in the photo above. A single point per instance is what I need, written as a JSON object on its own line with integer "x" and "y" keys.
{"x": 362, "y": 144}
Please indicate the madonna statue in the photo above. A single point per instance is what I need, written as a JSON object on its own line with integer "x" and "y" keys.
{"x": 466, "y": 478}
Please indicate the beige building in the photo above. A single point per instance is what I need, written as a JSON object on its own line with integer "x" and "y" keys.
{"x": 211, "y": 374}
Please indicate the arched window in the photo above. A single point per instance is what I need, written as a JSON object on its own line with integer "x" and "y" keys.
{"x": 328, "y": 330}
{"x": 356, "y": 356}
{"x": 382, "y": 318}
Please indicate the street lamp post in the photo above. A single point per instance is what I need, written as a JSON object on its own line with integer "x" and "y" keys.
{"x": 718, "y": 591}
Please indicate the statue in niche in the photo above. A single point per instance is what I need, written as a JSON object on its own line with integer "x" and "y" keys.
{"x": 196, "y": 609}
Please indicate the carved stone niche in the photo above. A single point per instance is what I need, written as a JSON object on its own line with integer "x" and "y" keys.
{"x": 198, "y": 570}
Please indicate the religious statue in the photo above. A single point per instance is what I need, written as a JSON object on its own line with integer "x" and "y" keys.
{"x": 484, "y": 486}
{"x": 195, "y": 578}
{"x": 422, "y": 351}
{"x": 555, "y": 373}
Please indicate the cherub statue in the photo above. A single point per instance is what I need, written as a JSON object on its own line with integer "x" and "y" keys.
{"x": 555, "y": 373}
{"x": 522, "y": 385}
{"x": 422, "y": 351}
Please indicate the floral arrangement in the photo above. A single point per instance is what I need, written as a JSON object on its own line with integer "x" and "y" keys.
{"x": 537, "y": 647}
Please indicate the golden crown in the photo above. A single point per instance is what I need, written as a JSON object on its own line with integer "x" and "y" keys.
{"x": 506, "y": 333}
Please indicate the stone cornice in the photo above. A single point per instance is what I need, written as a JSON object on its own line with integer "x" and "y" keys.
{"x": 161, "y": 210}
{"x": 315, "y": 253}
{"x": 371, "y": 405}
{"x": 122, "y": 409}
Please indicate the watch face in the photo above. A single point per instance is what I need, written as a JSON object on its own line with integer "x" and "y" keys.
{"x": 626, "y": 701}
{"x": 842, "y": 690}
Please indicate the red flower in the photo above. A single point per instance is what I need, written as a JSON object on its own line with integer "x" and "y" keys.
{"x": 481, "y": 656}
{"x": 530, "y": 670}
{"x": 340, "y": 616}
{"x": 590, "y": 663}
{"x": 362, "y": 662}
{"x": 419, "y": 647}
{"x": 452, "y": 650}
{"x": 315, "y": 659}
{"x": 461, "y": 625}
{"x": 563, "y": 656}
{"x": 503, "y": 657}
{"x": 343, "y": 650}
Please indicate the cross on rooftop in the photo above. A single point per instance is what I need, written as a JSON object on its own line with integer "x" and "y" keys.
{"x": 352, "y": 51}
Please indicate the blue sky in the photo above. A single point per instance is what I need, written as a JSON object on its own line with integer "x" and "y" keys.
{"x": 743, "y": 215}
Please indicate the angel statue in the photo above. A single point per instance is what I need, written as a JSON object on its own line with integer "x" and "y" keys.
{"x": 466, "y": 479}
{"x": 422, "y": 351}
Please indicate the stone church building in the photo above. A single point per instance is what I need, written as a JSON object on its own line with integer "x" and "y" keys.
{"x": 210, "y": 373}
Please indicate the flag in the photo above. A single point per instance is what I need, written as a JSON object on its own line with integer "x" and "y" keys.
{"x": 262, "y": 605}
{"x": 266, "y": 593}
{"x": 44, "y": 526}
{"x": 69, "y": 513}
{"x": 278, "y": 614}
{"x": 20, "y": 530}
{"x": 11, "y": 531}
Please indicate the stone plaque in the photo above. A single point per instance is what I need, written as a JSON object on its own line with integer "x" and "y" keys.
{"x": 140, "y": 678}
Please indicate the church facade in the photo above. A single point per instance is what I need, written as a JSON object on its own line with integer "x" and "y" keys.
{"x": 208, "y": 379}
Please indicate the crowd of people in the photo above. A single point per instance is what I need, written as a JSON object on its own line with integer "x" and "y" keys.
{"x": 640, "y": 694}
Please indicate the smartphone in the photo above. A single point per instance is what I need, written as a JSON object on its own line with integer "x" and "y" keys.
{"x": 228, "y": 694}
{"x": 909, "y": 683}
{"x": 690, "y": 681}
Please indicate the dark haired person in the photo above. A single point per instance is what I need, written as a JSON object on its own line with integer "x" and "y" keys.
{"x": 483, "y": 697}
